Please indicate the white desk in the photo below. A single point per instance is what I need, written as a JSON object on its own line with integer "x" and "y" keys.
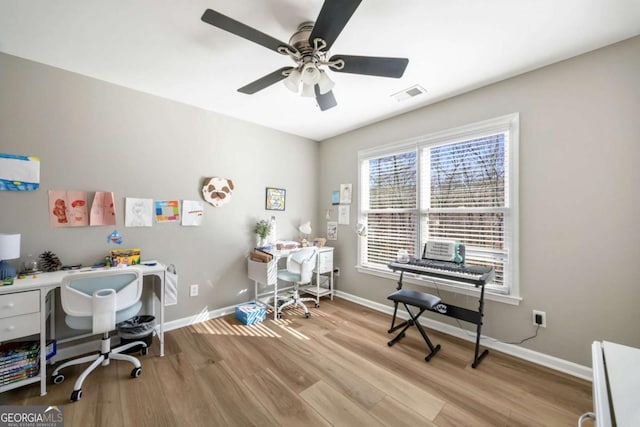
{"x": 616, "y": 375}
{"x": 25, "y": 306}
{"x": 266, "y": 273}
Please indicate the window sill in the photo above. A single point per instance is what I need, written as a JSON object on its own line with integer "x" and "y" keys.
{"x": 442, "y": 285}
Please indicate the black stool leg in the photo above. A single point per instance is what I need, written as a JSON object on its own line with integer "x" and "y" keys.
{"x": 414, "y": 319}
{"x": 401, "y": 334}
{"x": 395, "y": 327}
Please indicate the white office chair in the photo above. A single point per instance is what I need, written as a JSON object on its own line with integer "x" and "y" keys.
{"x": 97, "y": 300}
{"x": 299, "y": 271}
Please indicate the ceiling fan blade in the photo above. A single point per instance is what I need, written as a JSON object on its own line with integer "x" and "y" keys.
{"x": 239, "y": 29}
{"x": 264, "y": 82}
{"x": 333, "y": 16}
{"x": 325, "y": 101}
{"x": 371, "y": 65}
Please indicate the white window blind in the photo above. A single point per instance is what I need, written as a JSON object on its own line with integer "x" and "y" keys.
{"x": 456, "y": 185}
{"x": 390, "y": 205}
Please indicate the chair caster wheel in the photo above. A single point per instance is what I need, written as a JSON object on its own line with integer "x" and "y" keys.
{"x": 144, "y": 351}
{"x": 57, "y": 379}
{"x": 76, "y": 395}
{"x": 317, "y": 305}
{"x": 279, "y": 316}
{"x": 307, "y": 315}
{"x": 136, "y": 372}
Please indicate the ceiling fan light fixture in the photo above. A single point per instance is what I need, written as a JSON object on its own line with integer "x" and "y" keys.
{"x": 310, "y": 74}
{"x": 308, "y": 90}
{"x": 325, "y": 84}
{"x": 292, "y": 82}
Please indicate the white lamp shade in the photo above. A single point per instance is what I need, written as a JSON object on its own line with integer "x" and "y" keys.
{"x": 310, "y": 74}
{"x": 9, "y": 246}
{"x": 325, "y": 84}
{"x": 305, "y": 228}
{"x": 308, "y": 91}
{"x": 292, "y": 82}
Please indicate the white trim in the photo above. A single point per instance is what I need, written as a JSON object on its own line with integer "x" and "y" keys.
{"x": 496, "y": 124}
{"x": 509, "y": 123}
{"x": 542, "y": 359}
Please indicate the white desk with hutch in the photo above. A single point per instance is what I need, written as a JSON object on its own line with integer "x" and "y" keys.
{"x": 266, "y": 273}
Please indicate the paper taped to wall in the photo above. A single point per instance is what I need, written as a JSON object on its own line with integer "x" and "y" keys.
{"x": 19, "y": 173}
{"x": 171, "y": 286}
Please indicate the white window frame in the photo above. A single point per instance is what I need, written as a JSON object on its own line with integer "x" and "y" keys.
{"x": 510, "y": 292}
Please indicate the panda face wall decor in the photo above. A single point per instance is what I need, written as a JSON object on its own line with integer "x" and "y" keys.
{"x": 217, "y": 191}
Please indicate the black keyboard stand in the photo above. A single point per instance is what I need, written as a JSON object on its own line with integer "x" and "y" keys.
{"x": 427, "y": 302}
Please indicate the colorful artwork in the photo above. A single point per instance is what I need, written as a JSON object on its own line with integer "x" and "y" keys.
{"x": 335, "y": 198}
{"x": 19, "y": 173}
{"x": 103, "y": 209}
{"x": 68, "y": 209}
{"x": 276, "y": 198}
{"x": 167, "y": 210}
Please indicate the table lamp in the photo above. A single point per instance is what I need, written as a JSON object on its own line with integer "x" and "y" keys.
{"x": 9, "y": 249}
{"x": 305, "y": 229}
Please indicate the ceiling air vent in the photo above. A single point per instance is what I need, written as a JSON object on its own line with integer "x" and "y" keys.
{"x": 410, "y": 92}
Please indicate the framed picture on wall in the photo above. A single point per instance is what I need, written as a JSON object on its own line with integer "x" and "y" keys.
{"x": 275, "y": 199}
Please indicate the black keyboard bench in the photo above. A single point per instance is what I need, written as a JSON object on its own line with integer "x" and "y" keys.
{"x": 423, "y": 302}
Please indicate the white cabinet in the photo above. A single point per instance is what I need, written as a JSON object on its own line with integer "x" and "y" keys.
{"x": 20, "y": 316}
{"x": 323, "y": 277}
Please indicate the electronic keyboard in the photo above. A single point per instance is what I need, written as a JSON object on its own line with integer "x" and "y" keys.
{"x": 473, "y": 274}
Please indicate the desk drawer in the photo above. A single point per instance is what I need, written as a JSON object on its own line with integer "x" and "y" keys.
{"x": 19, "y": 303}
{"x": 19, "y": 326}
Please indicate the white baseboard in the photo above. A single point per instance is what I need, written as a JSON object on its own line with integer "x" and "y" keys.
{"x": 542, "y": 359}
{"x": 552, "y": 362}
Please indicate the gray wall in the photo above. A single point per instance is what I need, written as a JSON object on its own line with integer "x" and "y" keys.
{"x": 579, "y": 198}
{"x": 91, "y": 135}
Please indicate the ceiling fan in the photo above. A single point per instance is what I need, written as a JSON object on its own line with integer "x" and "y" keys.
{"x": 309, "y": 49}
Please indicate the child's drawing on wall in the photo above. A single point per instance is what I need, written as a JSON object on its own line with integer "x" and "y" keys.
{"x": 68, "y": 209}
{"x": 79, "y": 216}
{"x": 103, "y": 209}
{"x": 59, "y": 212}
{"x": 138, "y": 212}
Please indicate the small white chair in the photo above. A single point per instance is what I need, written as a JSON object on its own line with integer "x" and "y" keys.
{"x": 299, "y": 271}
{"x": 97, "y": 301}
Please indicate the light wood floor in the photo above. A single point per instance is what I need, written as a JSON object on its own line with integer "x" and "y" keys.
{"x": 332, "y": 369}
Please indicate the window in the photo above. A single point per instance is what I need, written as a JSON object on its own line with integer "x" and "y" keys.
{"x": 459, "y": 185}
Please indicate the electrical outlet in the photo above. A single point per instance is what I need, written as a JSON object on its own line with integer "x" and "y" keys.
{"x": 540, "y": 318}
{"x": 336, "y": 272}
{"x": 193, "y": 290}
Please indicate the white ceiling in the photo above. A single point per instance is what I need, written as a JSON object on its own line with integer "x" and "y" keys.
{"x": 162, "y": 47}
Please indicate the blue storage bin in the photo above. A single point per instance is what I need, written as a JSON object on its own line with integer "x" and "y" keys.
{"x": 251, "y": 313}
